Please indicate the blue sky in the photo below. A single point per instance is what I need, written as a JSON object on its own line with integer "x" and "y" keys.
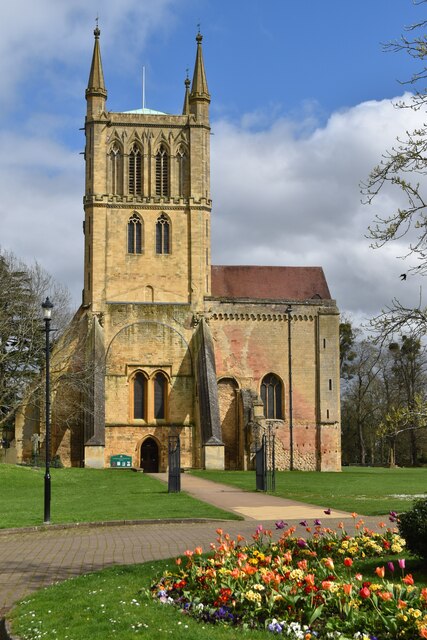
{"x": 302, "y": 82}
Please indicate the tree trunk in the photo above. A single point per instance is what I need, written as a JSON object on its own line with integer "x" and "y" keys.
{"x": 362, "y": 446}
{"x": 392, "y": 458}
{"x": 413, "y": 446}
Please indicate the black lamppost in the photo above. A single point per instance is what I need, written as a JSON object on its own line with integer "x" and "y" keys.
{"x": 47, "y": 307}
{"x": 291, "y": 427}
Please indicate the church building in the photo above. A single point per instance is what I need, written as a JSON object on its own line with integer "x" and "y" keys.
{"x": 170, "y": 344}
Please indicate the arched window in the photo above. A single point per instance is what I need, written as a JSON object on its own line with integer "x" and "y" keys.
{"x": 139, "y": 396}
{"x": 162, "y": 172}
{"x": 135, "y": 234}
{"x": 271, "y": 395}
{"x": 162, "y": 234}
{"x": 182, "y": 161}
{"x": 160, "y": 389}
{"x": 135, "y": 171}
{"x": 115, "y": 162}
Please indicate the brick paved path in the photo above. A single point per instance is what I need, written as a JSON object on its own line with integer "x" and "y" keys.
{"x": 33, "y": 559}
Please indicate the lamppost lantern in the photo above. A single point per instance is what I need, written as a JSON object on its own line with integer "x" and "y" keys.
{"x": 47, "y": 307}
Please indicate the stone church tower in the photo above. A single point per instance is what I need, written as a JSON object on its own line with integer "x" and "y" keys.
{"x": 215, "y": 354}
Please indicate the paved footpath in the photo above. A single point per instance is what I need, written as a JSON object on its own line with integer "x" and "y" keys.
{"x": 31, "y": 559}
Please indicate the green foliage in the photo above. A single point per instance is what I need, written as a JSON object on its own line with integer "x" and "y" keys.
{"x": 413, "y": 527}
{"x": 347, "y": 354}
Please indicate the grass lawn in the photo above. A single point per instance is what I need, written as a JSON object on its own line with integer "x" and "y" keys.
{"x": 113, "y": 604}
{"x": 87, "y": 495}
{"x": 369, "y": 491}
{"x": 109, "y": 604}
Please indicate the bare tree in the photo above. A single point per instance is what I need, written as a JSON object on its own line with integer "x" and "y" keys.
{"x": 404, "y": 167}
{"x": 22, "y": 346}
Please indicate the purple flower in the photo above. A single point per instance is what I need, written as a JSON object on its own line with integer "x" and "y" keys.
{"x": 393, "y": 514}
{"x": 275, "y": 627}
{"x": 392, "y": 519}
{"x": 318, "y": 523}
{"x": 390, "y": 565}
{"x": 301, "y": 543}
{"x": 401, "y": 563}
{"x": 328, "y": 511}
{"x": 281, "y": 525}
{"x": 304, "y": 523}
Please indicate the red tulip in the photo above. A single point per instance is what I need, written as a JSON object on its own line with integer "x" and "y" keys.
{"x": 364, "y": 593}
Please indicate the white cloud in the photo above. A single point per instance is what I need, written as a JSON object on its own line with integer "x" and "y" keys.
{"x": 37, "y": 36}
{"x": 290, "y": 195}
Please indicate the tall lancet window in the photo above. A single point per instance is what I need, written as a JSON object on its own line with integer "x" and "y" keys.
{"x": 182, "y": 161}
{"x": 162, "y": 172}
{"x": 139, "y": 396}
{"x": 160, "y": 392}
{"x": 271, "y": 395}
{"x": 135, "y": 171}
{"x": 135, "y": 234}
{"x": 162, "y": 234}
{"x": 115, "y": 161}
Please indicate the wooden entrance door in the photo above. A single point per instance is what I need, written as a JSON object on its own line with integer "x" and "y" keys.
{"x": 150, "y": 456}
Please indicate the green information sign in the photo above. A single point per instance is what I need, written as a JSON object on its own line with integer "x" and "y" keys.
{"x": 121, "y": 461}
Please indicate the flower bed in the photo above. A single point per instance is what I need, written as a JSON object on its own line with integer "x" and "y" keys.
{"x": 301, "y": 588}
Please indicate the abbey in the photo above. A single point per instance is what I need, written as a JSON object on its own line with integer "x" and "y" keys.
{"x": 170, "y": 344}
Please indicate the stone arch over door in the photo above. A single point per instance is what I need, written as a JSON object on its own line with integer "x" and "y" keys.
{"x": 149, "y": 455}
{"x": 229, "y": 418}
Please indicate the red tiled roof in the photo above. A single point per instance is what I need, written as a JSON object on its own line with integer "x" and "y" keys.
{"x": 269, "y": 283}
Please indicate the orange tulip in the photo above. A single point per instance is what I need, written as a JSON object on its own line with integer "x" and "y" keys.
{"x": 380, "y": 571}
{"x": 326, "y": 585}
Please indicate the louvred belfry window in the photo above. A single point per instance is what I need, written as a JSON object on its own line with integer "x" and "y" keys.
{"x": 162, "y": 172}
{"x": 162, "y": 234}
{"x": 115, "y": 169}
{"x": 271, "y": 395}
{"x": 182, "y": 161}
{"x": 135, "y": 171}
